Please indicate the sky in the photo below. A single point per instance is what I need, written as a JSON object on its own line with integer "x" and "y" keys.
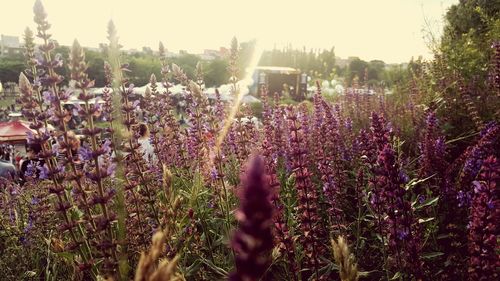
{"x": 390, "y": 30}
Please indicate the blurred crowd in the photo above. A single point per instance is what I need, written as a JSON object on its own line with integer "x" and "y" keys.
{"x": 17, "y": 167}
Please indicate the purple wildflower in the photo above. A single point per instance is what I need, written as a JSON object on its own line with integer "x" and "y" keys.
{"x": 44, "y": 172}
{"x": 253, "y": 241}
{"x": 484, "y": 217}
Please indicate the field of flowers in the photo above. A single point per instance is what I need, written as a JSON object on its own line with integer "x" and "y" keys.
{"x": 360, "y": 187}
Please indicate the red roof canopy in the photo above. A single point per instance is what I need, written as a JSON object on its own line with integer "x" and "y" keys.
{"x": 14, "y": 131}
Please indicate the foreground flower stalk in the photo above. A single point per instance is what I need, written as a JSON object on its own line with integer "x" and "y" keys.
{"x": 98, "y": 164}
{"x": 55, "y": 170}
{"x": 253, "y": 241}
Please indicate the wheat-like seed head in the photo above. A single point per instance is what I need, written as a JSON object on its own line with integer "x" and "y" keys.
{"x": 348, "y": 269}
{"x": 147, "y": 269}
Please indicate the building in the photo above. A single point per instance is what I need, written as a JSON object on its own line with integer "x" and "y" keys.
{"x": 132, "y": 51}
{"x": 279, "y": 79}
{"x": 224, "y": 52}
{"x": 9, "y": 45}
{"x": 209, "y": 55}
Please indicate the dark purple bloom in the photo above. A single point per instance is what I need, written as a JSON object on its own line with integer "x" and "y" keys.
{"x": 483, "y": 225}
{"x": 49, "y": 97}
{"x": 394, "y": 212}
{"x": 307, "y": 196}
{"x": 86, "y": 153}
{"x": 213, "y": 174}
{"x": 30, "y": 137}
{"x": 475, "y": 155}
{"x": 31, "y": 169}
{"x": 463, "y": 198}
{"x": 253, "y": 241}
{"x": 35, "y": 201}
{"x": 44, "y": 172}
{"x": 111, "y": 169}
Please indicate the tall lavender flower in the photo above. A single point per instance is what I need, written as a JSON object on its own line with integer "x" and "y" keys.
{"x": 433, "y": 150}
{"x": 327, "y": 156}
{"x": 380, "y": 130}
{"x": 307, "y": 195}
{"x": 136, "y": 168}
{"x": 495, "y": 73}
{"x": 270, "y": 152}
{"x": 483, "y": 223}
{"x": 173, "y": 147}
{"x": 388, "y": 199}
{"x": 96, "y": 158}
{"x": 80, "y": 80}
{"x": 466, "y": 93}
{"x": 475, "y": 155}
{"x": 253, "y": 241}
{"x": 279, "y": 128}
{"x": 458, "y": 191}
{"x": 55, "y": 171}
{"x": 495, "y": 66}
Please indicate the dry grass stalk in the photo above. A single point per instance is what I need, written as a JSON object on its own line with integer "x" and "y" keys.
{"x": 348, "y": 269}
{"x": 147, "y": 269}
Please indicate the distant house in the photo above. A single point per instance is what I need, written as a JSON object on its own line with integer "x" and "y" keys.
{"x": 132, "y": 51}
{"x": 209, "y": 55}
{"x": 224, "y": 52}
{"x": 171, "y": 54}
{"x": 206, "y": 57}
{"x": 9, "y": 45}
{"x": 278, "y": 79}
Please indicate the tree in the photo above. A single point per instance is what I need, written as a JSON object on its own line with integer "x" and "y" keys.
{"x": 95, "y": 69}
{"x": 356, "y": 68}
{"x": 216, "y": 73}
{"x": 471, "y": 27}
{"x": 375, "y": 72}
{"x": 188, "y": 63}
{"x": 470, "y": 15}
{"x": 141, "y": 69}
{"x": 10, "y": 69}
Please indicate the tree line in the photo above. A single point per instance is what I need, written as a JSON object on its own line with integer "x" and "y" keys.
{"x": 318, "y": 64}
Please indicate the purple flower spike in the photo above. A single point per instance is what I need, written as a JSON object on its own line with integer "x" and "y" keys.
{"x": 483, "y": 224}
{"x": 253, "y": 241}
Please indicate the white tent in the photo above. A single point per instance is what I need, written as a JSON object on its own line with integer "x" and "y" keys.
{"x": 142, "y": 90}
{"x": 100, "y": 91}
{"x": 224, "y": 96}
{"x": 250, "y": 99}
{"x": 73, "y": 99}
{"x": 178, "y": 89}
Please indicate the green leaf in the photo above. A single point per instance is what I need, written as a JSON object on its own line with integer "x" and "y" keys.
{"x": 428, "y": 202}
{"x": 396, "y": 276}
{"x": 29, "y": 274}
{"x": 76, "y": 214}
{"x": 366, "y": 273}
{"x": 442, "y": 236}
{"x": 218, "y": 270}
{"x": 416, "y": 181}
{"x": 425, "y": 220}
{"x": 66, "y": 255}
{"x": 193, "y": 268}
{"x": 432, "y": 255}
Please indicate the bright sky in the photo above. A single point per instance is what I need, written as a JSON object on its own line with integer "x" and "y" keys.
{"x": 391, "y": 30}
